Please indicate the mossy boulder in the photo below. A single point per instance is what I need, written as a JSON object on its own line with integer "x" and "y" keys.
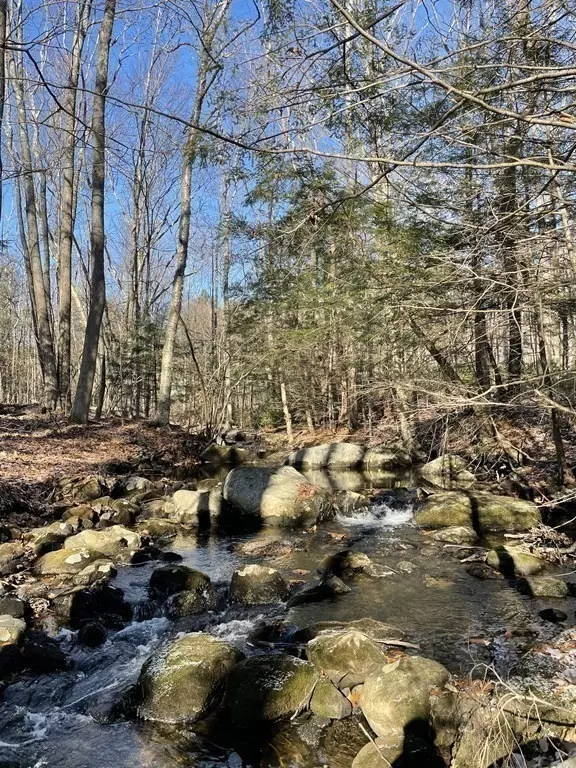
{"x": 64, "y": 561}
{"x": 386, "y": 457}
{"x": 168, "y": 580}
{"x": 184, "y": 681}
{"x": 280, "y": 497}
{"x": 398, "y": 694}
{"x": 543, "y": 586}
{"x": 346, "y": 657}
{"x": 257, "y": 584}
{"x": 268, "y": 687}
{"x": 116, "y": 542}
{"x": 513, "y": 562}
{"x": 327, "y": 701}
{"x": 480, "y": 510}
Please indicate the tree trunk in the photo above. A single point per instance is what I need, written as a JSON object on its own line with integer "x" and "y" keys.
{"x": 68, "y": 207}
{"x": 40, "y": 298}
{"x": 210, "y": 27}
{"x": 81, "y": 408}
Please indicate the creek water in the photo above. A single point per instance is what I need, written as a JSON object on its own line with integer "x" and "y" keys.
{"x": 66, "y": 720}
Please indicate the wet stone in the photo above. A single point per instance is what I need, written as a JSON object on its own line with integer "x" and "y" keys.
{"x": 92, "y": 634}
{"x": 257, "y": 584}
{"x": 169, "y": 579}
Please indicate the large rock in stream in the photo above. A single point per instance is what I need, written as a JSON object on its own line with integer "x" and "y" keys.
{"x": 276, "y": 496}
{"x": 398, "y": 694}
{"x": 268, "y": 687}
{"x": 184, "y": 681}
{"x": 348, "y": 456}
{"x": 257, "y": 584}
{"x": 346, "y": 657}
{"x": 480, "y": 510}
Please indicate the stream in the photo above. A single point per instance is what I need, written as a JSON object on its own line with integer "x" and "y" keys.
{"x": 68, "y": 719}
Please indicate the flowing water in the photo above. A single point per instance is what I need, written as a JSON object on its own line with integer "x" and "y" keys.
{"x": 67, "y": 719}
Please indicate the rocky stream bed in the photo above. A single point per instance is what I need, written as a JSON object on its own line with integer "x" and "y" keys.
{"x": 321, "y": 617}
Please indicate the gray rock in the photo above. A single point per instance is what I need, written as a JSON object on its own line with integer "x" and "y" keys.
{"x": 257, "y": 584}
{"x": 375, "y": 630}
{"x": 346, "y": 657}
{"x": 513, "y": 562}
{"x": 101, "y": 602}
{"x": 49, "y": 538}
{"x": 480, "y": 510}
{"x": 81, "y": 489}
{"x": 191, "y": 507}
{"x": 100, "y": 570}
{"x": 329, "y": 587}
{"x": 483, "y": 572}
{"x": 189, "y": 603}
{"x": 170, "y": 579}
{"x": 399, "y": 693}
{"x": 456, "y": 534}
{"x": 380, "y": 753}
{"x": 329, "y": 455}
{"x": 345, "y": 563}
{"x": 13, "y": 606}
{"x": 64, "y": 561}
{"x": 116, "y": 542}
{"x": 276, "y": 496}
{"x": 543, "y": 586}
{"x": 184, "y": 681}
{"x": 327, "y": 701}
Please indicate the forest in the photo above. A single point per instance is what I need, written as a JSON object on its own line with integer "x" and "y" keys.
{"x": 289, "y": 215}
{"x": 287, "y": 383}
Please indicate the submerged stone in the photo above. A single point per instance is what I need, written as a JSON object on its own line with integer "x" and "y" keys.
{"x": 456, "y": 534}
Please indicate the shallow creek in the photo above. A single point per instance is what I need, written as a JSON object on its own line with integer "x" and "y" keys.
{"x": 63, "y": 719}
